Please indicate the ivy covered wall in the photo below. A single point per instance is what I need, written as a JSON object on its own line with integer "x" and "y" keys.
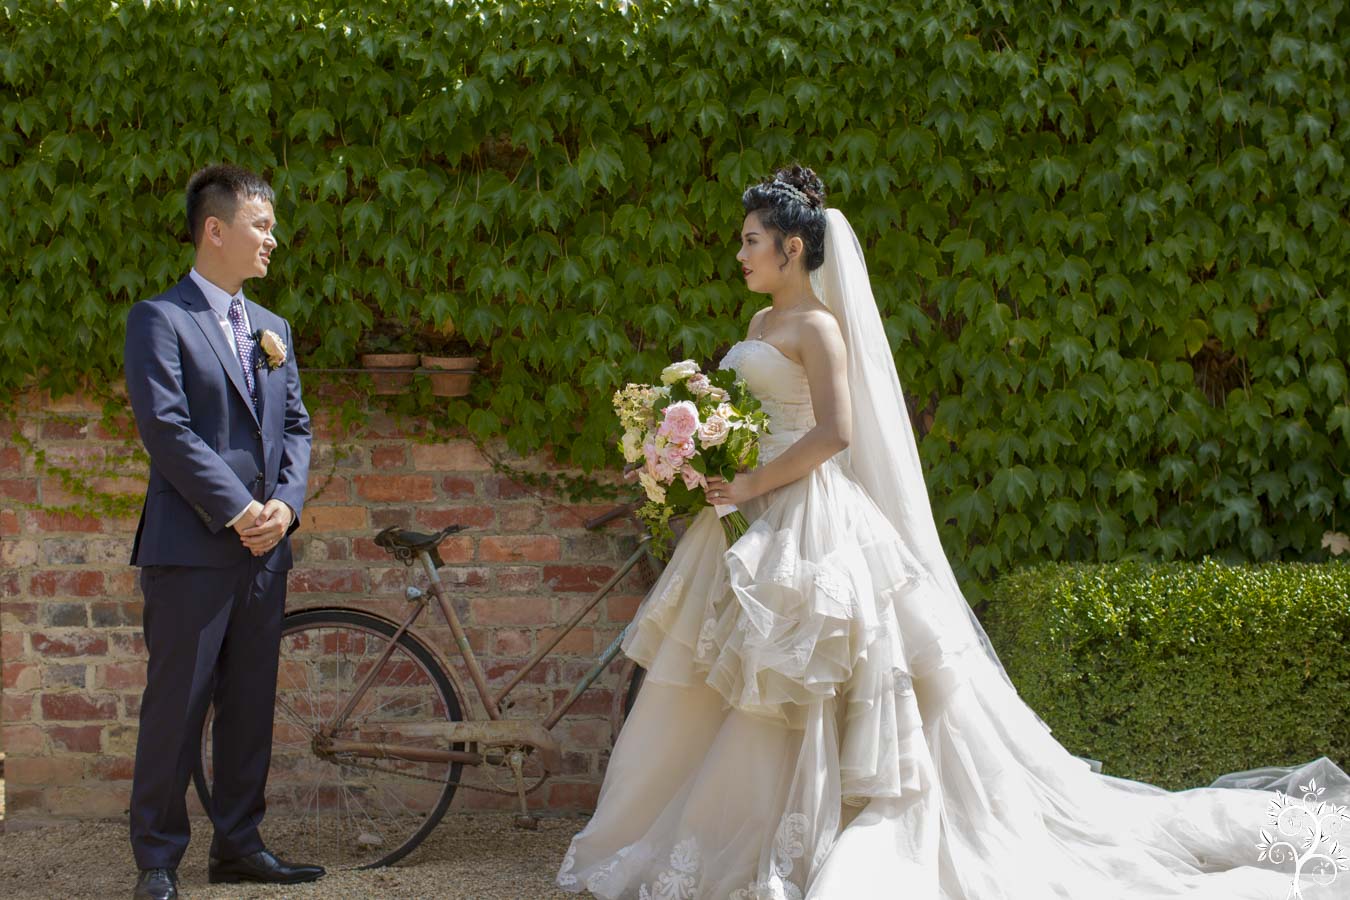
{"x": 1109, "y": 239}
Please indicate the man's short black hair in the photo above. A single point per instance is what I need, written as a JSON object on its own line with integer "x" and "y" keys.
{"x": 217, "y": 191}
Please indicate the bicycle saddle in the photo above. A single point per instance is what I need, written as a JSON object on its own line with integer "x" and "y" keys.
{"x": 406, "y": 545}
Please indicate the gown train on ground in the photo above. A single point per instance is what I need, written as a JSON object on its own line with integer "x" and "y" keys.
{"x": 814, "y": 723}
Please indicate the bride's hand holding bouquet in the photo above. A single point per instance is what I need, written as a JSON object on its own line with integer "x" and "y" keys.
{"x": 691, "y": 435}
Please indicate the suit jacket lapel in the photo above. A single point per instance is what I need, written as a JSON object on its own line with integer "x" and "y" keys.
{"x": 259, "y": 319}
{"x": 192, "y": 299}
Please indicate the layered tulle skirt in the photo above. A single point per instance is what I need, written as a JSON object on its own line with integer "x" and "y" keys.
{"x": 818, "y": 720}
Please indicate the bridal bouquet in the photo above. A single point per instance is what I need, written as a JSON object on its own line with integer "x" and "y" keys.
{"x": 690, "y": 426}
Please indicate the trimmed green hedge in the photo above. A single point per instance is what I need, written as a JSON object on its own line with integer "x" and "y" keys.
{"x": 1109, "y": 243}
{"x": 1176, "y": 673}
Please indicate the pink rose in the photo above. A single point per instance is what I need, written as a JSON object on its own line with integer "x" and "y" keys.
{"x": 681, "y": 421}
{"x": 657, "y": 466}
{"x": 698, "y": 384}
{"x": 677, "y": 454}
{"x": 664, "y": 471}
{"x": 692, "y": 477}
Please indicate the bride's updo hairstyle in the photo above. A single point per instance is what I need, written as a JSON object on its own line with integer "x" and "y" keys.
{"x": 791, "y": 202}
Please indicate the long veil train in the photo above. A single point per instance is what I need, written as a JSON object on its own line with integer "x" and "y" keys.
{"x": 1095, "y": 830}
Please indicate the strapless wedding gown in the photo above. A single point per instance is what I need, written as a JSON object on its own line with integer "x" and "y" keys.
{"x": 811, "y": 726}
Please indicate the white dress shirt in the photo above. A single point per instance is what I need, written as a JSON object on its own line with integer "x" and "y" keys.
{"x": 220, "y": 300}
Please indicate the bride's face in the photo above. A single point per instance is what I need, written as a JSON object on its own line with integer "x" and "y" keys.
{"x": 766, "y": 268}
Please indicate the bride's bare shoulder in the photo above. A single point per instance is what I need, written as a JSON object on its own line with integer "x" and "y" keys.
{"x": 820, "y": 340}
{"x": 820, "y": 323}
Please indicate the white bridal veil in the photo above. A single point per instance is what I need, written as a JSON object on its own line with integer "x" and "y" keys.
{"x": 1097, "y": 829}
{"x": 883, "y": 453}
{"x": 884, "y": 457}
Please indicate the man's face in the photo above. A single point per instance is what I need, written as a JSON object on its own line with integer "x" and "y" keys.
{"x": 247, "y": 242}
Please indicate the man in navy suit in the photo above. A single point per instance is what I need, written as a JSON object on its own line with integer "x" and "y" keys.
{"x": 216, "y": 395}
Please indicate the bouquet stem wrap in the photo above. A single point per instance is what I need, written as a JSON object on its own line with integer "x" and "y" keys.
{"x": 733, "y": 521}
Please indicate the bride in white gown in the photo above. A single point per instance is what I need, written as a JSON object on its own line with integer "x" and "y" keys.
{"x": 823, "y": 716}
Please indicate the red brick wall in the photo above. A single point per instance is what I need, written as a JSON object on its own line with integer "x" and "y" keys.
{"x": 70, "y": 639}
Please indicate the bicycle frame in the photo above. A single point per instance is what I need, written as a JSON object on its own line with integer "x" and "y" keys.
{"x": 496, "y": 730}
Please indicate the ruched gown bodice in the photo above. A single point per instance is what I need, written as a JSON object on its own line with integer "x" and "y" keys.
{"x": 780, "y": 385}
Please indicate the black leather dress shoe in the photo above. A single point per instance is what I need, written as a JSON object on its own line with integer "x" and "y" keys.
{"x": 261, "y": 867}
{"x": 156, "y": 884}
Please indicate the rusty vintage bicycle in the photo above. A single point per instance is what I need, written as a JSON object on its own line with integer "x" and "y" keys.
{"x": 373, "y": 728}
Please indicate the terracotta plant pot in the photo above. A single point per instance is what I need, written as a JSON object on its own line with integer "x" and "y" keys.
{"x": 390, "y": 382}
{"x": 388, "y": 360}
{"x": 452, "y": 376}
{"x": 450, "y": 363}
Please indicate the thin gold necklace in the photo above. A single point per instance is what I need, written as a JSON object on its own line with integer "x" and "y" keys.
{"x": 765, "y": 318}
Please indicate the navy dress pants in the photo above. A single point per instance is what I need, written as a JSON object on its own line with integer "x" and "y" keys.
{"x": 212, "y": 635}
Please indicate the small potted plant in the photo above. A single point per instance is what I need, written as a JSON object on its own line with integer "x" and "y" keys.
{"x": 451, "y": 366}
{"x": 387, "y": 352}
{"x": 450, "y": 375}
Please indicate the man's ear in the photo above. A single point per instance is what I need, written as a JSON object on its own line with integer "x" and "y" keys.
{"x": 211, "y": 231}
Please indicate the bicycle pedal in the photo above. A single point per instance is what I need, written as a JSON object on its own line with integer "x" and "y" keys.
{"x": 526, "y": 823}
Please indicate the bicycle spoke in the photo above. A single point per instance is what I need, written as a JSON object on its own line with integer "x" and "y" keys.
{"x": 313, "y": 818}
{"x": 343, "y": 813}
{"x": 294, "y": 716}
{"x": 309, "y": 695}
{"x": 385, "y": 704}
{"x": 375, "y": 828}
{"x": 395, "y": 796}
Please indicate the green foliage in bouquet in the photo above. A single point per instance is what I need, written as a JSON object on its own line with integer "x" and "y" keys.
{"x": 1108, "y": 243}
{"x": 657, "y": 518}
{"x": 1175, "y": 673}
{"x": 741, "y": 444}
{"x": 722, "y": 399}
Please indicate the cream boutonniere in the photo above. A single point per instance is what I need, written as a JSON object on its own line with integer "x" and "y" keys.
{"x": 273, "y": 347}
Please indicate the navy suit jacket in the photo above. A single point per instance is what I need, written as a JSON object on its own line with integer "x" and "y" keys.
{"x": 210, "y": 451}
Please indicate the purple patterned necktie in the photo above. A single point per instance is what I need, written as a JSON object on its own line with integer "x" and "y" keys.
{"x": 243, "y": 342}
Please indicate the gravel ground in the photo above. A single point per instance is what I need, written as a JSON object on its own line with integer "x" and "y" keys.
{"x": 473, "y": 856}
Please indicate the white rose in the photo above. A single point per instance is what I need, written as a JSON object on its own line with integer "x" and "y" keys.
{"x": 698, "y": 384}
{"x": 713, "y": 431}
{"x": 274, "y": 347}
{"x": 632, "y": 446}
{"x": 655, "y": 491}
{"x": 678, "y": 371}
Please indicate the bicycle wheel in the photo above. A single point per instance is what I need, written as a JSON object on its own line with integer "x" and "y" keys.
{"x": 349, "y": 811}
{"x": 630, "y": 680}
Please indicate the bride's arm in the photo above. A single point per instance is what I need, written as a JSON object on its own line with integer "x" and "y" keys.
{"x": 823, "y": 356}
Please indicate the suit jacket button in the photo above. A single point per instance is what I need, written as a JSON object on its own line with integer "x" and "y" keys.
{"x": 257, "y": 433}
{"x": 259, "y": 479}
